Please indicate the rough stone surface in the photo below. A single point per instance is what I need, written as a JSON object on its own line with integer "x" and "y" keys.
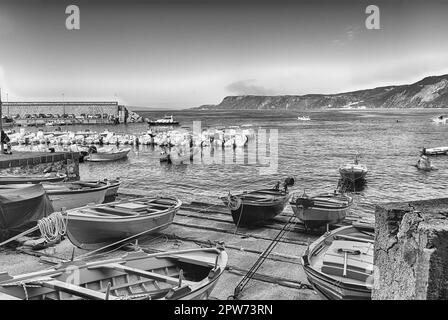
{"x": 26, "y": 164}
{"x": 411, "y": 250}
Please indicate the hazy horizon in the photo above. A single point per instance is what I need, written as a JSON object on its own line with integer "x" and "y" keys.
{"x": 167, "y": 55}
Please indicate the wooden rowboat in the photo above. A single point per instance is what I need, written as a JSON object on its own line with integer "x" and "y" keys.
{"x": 339, "y": 264}
{"x": 108, "y": 155}
{"x": 257, "y": 207}
{"x": 178, "y": 275}
{"x": 323, "y": 209}
{"x": 32, "y": 179}
{"x": 93, "y": 227}
{"x": 113, "y": 186}
{"x": 70, "y": 195}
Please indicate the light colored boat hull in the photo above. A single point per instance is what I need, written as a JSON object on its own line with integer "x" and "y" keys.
{"x": 101, "y": 157}
{"x": 71, "y": 200}
{"x": 317, "y": 217}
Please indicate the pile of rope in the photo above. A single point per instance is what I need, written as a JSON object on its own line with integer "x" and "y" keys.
{"x": 53, "y": 226}
{"x": 233, "y": 202}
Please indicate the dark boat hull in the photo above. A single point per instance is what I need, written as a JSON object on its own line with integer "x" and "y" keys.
{"x": 253, "y": 214}
{"x": 352, "y": 175}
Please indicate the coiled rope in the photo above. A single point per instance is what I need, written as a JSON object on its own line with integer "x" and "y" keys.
{"x": 53, "y": 226}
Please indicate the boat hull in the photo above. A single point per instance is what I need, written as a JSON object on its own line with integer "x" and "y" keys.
{"x": 340, "y": 286}
{"x": 105, "y": 156}
{"x": 250, "y": 213}
{"x": 30, "y": 179}
{"x": 96, "y": 233}
{"x": 77, "y": 198}
{"x": 137, "y": 276}
{"x": 352, "y": 174}
{"x": 317, "y": 217}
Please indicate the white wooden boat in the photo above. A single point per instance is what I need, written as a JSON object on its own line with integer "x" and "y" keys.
{"x": 321, "y": 210}
{"x": 71, "y": 195}
{"x": 177, "y": 275}
{"x": 339, "y": 264}
{"x": 435, "y": 151}
{"x": 93, "y": 227}
{"x": 303, "y": 118}
{"x": 103, "y": 155}
{"x": 441, "y": 119}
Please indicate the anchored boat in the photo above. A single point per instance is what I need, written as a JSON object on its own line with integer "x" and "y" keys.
{"x": 178, "y": 275}
{"x": 92, "y": 227}
{"x": 32, "y": 179}
{"x": 165, "y": 121}
{"x": 108, "y": 154}
{"x": 256, "y": 207}
{"x": 339, "y": 264}
{"x": 353, "y": 172}
{"x": 323, "y": 209}
{"x": 435, "y": 151}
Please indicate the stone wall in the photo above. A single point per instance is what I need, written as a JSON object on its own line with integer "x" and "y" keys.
{"x": 67, "y": 163}
{"x": 411, "y": 250}
{"x": 58, "y": 107}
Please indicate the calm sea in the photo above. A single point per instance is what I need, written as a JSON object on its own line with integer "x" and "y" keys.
{"x": 311, "y": 152}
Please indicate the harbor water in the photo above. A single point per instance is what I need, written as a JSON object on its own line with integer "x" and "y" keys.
{"x": 310, "y": 151}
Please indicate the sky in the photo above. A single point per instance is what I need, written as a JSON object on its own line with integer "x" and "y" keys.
{"x": 180, "y": 54}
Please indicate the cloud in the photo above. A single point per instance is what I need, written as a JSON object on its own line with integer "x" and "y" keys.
{"x": 245, "y": 87}
{"x": 350, "y": 33}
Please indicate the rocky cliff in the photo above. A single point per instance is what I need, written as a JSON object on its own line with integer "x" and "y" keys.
{"x": 431, "y": 92}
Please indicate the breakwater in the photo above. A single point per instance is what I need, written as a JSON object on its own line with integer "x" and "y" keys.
{"x": 31, "y": 163}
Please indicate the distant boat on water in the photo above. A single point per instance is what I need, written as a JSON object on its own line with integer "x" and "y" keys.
{"x": 165, "y": 121}
{"x": 303, "y": 118}
{"x": 440, "y": 119}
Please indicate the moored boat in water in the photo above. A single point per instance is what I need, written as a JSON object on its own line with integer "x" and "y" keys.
{"x": 322, "y": 209}
{"x": 92, "y": 227}
{"x": 434, "y": 151}
{"x": 257, "y": 207}
{"x": 165, "y": 121}
{"x": 107, "y": 154}
{"x": 177, "y": 275}
{"x": 339, "y": 264}
{"x": 353, "y": 172}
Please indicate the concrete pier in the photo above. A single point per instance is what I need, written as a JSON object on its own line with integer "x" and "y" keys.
{"x": 411, "y": 250}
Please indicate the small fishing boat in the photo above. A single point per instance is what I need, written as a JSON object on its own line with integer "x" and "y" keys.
{"x": 108, "y": 154}
{"x": 165, "y": 121}
{"x": 92, "y": 227}
{"x": 424, "y": 164}
{"x": 71, "y": 195}
{"x": 32, "y": 179}
{"x": 339, "y": 264}
{"x": 303, "y": 118}
{"x": 257, "y": 207}
{"x": 435, "y": 151}
{"x": 20, "y": 211}
{"x": 323, "y": 209}
{"x": 441, "y": 119}
{"x": 113, "y": 185}
{"x": 177, "y": 275}
{"x": 353, "y": 172}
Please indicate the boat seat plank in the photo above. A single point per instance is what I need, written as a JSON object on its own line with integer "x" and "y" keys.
{"x": 4, "y": 296}
{"x": 76, "y": 290}
{"x": 341, "y": 236}
{"x": 149, "y": 274}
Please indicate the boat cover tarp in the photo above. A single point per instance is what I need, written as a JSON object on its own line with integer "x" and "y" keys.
{"x": 20, "y": 209}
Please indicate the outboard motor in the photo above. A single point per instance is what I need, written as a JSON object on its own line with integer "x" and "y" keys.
{"x": 93, "y": 149}
{"x": 289, "y": 182}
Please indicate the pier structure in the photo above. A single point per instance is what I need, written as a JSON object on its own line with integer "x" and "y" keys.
{"x": 69, "y": 112}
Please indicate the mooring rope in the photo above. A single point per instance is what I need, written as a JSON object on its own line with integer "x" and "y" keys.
{"x": 53, "y": 226}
